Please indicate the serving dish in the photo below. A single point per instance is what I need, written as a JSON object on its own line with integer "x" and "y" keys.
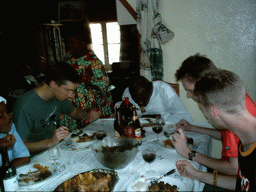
{"x": 29, "y": 175}
{"x": 93, "y": 180}
{"x": 115, "y": 153}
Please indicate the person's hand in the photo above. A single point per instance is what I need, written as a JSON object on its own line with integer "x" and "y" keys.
{"x": 184, "y": 125}
{"x": 186, "y": 169}
{"x": 93, "y": 115}
{"x": 180, "y": 143}
{"x": 7, "y": 141}
{"x": 59, "y": 134}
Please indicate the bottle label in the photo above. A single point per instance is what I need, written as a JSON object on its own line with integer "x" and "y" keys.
{"x": 129, "y": 132}
{"x": 11, "y": 184}
{"x": 135, "y": 118}
{"x": 138, "y": 134}
{"x": 117, "y": 134}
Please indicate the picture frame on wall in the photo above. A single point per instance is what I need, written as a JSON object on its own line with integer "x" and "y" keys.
{"x": 70, "y": 10}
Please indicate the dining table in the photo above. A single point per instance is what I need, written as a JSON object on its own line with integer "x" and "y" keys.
{"x": 74, "y": 159}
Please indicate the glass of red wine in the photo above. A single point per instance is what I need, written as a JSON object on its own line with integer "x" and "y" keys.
{"x": 149, "y": 155}
{"x": 158, "y": 126}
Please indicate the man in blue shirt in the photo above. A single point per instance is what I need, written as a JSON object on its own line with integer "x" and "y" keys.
{"x": 9, "y": 138}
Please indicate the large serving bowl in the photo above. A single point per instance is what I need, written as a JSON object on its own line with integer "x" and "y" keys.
{"x": 115, "y": 153}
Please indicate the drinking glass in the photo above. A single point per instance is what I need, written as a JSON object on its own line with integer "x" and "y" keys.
{"x": 149, "y": 155}
{"x": 54, "y": 154}
{"x": 158, "y": 126}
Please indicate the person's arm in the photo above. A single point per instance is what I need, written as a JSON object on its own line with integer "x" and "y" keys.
{"x": 59, "y": 134}
{"x": 223, "y": 181}
{"x": 20, "y": 161}
{"x": 186, "y": 126}
{"x": 90, "y": 115}
{"x": 229, "y": 166}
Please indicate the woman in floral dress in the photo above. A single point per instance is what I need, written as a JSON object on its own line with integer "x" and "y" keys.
{"x": 92, "y": 92}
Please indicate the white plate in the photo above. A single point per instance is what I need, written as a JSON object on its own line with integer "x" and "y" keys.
{"x": 170, "y": 180}
{"x": 161, "y": 139}
{"x": 29, "y": 168}
{"x": 69, "y": 145}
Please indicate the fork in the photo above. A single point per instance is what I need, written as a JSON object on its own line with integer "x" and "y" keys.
{"x": 166, "y": 174}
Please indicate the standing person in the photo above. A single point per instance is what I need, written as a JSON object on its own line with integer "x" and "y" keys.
{"x": 221, "y": 96}
{"x": 9, "y": 138}
{"x": 191, "y": 70}
{"x": 92, "y": 92}
{"x": 36, "y": 112}
{"x": 156, "y": 97}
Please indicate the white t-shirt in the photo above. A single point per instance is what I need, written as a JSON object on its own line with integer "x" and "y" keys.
{"x": 165, "y": 101}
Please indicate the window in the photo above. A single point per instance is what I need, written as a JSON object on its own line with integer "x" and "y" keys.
{"x": 106, "y": 42}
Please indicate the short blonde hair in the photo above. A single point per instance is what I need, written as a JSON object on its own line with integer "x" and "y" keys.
{"x": 223, "y": 89}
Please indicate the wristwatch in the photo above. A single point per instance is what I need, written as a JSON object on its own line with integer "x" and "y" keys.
{"x": 191, "y": 155}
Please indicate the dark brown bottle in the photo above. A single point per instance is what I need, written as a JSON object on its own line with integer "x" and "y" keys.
{"x": 118, "y": 125}
{"x": 8, "y": 172}
{"x": 126, "y": 111}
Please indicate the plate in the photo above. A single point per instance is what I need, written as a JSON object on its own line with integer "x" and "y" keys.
{"x": 70, "y": 145}
{"x": 192, "y": 146}
{"x": 29, "y": 168}
{"x": 170, "y": 180}
{"x": 86, "y": 176}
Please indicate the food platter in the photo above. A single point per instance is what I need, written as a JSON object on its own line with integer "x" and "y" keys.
{"x": 142, "y": 184}
{"x": 29, "y": 175}
{"x": 73, "y": 144}
{"x": 93, "y": 180}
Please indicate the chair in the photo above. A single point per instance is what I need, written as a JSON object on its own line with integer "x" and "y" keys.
{"x": 176, "y": 87}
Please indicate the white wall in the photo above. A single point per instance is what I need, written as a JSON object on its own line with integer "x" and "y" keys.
{"x": 224, "y": 31}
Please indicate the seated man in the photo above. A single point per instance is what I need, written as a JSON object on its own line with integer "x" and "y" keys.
{"x": 191, "y": 70}
{"x": 9, "y": 138}
{"x": 221, "y": 96}
{"x": 156, "y": 97}
{"x": 36, "y": 113}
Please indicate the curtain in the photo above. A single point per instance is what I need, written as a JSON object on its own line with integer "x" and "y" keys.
{"x": 151, "y": 58}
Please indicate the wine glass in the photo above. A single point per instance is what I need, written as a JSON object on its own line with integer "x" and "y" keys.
{"x": 158, "y": 126}
{"x": 149, "y": 155}
{"x": 54, "y": 154}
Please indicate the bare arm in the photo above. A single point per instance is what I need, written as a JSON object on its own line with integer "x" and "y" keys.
{"x": 229, "y": 166}
{"x": 186, "y": 126}
{"x": 223, "y": 181}
{"x": 21, "y": 161}
{"x": 90, "y": 115}
{"x": 59, "y": 134}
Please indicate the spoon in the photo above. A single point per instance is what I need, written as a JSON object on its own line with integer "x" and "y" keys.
{"x": 166, "y": 174}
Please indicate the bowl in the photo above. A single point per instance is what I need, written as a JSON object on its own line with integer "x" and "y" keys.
{"x": 115, "y": 153}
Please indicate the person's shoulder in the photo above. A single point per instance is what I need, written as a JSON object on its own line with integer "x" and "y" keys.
{"x": 161, "y": 84}
{"x": 25, "y": 99}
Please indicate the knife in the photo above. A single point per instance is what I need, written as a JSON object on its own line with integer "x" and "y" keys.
{"x": 166, "y": 174}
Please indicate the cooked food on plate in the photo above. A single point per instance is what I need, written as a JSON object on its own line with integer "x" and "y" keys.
{"x": 31, "y": 177}
{"x": 90, "y": 181}
{"x": 161, "y": 186}
{"x": 168, "y": 142}
{"x": 81, "y": 137}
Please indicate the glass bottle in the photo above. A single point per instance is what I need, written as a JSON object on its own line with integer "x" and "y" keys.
{"x": 126, "y": 111}
{"x": 118, "y": 125}
{"x": 8, "y": 172}
{"x": 136, "y": 124}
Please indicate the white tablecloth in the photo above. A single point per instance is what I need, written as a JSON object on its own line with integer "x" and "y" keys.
{"x": 77, "y": 161}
